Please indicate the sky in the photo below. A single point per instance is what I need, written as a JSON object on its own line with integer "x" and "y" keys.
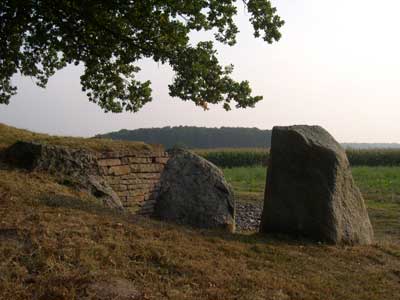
{"x": 337, "y": 65}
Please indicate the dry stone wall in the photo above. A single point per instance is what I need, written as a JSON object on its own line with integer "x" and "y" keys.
{"x": 134, "y": 176}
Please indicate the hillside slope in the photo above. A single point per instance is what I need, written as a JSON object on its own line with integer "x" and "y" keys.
{"x": 10, "y": 135}
{"x": 57, "y": 243}
{"x": 196, "y": 137}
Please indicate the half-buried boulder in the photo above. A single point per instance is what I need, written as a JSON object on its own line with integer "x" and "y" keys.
{"x": 77, "y": 166}
{"x": 310, "y": 190}
{"x": 194, "y": 192}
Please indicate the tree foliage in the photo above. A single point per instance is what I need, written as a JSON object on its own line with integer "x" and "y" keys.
{"x": 39, "y": 37}
{"x": 196, "y": 137}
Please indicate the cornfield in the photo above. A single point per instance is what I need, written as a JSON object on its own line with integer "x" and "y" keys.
{"x": 243, "y": 157}
{"x": 235, "y": 157}
{"x": 374, "y": 157}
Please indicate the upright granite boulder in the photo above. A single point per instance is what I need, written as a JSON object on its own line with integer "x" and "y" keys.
{"x": 194, "y": 192}
{"x": 310, "y": 190}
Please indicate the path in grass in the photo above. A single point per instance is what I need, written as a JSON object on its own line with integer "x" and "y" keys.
{"x": 380, "y": 187}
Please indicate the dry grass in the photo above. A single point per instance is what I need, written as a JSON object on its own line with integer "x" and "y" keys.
{"x": 59, "y": 243}
{"x": 67, "y": 247}
{"x": 10, "y": 135}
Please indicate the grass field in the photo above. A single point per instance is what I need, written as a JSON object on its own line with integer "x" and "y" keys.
{"x": 380, "y": 187}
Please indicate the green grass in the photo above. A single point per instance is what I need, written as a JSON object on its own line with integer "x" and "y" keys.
{"x": 380, "y": 184}
{"x": 380, "y": 187}
{"x": 248, "y": 182}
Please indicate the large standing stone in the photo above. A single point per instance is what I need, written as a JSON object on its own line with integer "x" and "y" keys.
{"x": 194, "y": 192}
{"x": 310, "y": 189}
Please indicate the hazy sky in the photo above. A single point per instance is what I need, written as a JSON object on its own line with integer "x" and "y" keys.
{"x": 337, "y": 65}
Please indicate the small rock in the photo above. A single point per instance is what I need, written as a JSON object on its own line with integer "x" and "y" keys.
{"x": 248, "y": 216}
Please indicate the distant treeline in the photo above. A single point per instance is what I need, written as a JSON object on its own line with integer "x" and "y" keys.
{"x": 208, "y": 138}
{"x": 196, "y": 137}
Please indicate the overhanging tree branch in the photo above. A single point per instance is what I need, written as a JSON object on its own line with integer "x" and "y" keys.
{"x": 109, "y": 37}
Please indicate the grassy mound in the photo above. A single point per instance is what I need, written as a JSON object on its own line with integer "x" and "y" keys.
{"x": 9, "y": 135}
{"x": 58, "y": 243}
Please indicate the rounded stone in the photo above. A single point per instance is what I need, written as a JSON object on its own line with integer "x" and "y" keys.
{"x": 194, "y": 192}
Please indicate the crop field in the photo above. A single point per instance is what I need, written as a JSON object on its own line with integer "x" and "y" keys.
{"x": 245, "y": 157}
{"x": 380, "y": 187}
{"x": 235, "y": 157}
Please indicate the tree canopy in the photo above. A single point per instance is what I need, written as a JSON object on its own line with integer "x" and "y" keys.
{"x": 196, "y": 137}
{"x": 39, "y": 37}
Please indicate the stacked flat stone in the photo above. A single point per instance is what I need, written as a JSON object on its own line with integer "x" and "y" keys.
{"x": 134, "y": 176}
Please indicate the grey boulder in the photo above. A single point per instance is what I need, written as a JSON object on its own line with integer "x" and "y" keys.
{"x": 75, "y": 166}
{"x": 194, "y": 192}
{"x": 310, "y": 190}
